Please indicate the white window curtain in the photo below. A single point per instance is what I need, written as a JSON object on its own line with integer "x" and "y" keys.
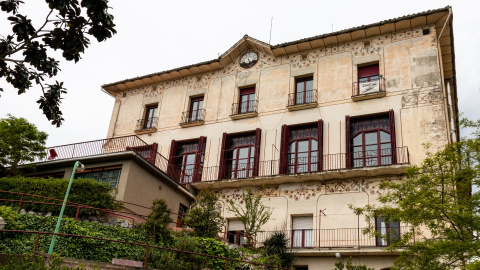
{"x": 302, "y": 233}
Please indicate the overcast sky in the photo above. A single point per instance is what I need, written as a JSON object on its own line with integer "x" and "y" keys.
{"x": 159, "y": 35}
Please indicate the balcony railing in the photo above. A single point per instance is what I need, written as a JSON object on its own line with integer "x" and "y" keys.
{"x": 339, "y": 238}
{"x": 244, "y": 107}
{"x": 146, "y": 124}
{"x": 193, "y": 117}
{"x": 329, "y": 162}
{"x": 372, "y": 87}
{"x": 303, "y": 98}
{"x": 106, "y": 146}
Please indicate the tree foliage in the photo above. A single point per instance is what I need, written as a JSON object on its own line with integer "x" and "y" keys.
{"x": 436, "y": 200}
{"x": 20, "y": 141}
{"x": 206, "y": 217}
{"x": 277, "y": 244}
{"x": 24, "y": 53}
{"x": 349, "y": 266}
{"x": 157, "y": 224}
{"x": 253, "y": 215}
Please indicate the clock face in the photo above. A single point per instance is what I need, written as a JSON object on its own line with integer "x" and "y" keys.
{"x": 248, "y": 60}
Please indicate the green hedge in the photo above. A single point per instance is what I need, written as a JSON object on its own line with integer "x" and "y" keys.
{"x": 71, "y": 247}
{"x": 83, "y": 191}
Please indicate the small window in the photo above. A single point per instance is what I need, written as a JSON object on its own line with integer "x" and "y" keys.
{"x": 304, "y": 92}
{"x": 182, "y": 210}
{"x": 150, "y": 119}
{"x": 236, "y": 232}
{"x": 247, "y": 100}
{"x": 426, "y": 31}
{"x": 368, "y": 73}
{"x": 302, "y": 232}
{"x": 196, "y": 109}
{"x": 109, "y": 176}
{"x": 388, "y": 232}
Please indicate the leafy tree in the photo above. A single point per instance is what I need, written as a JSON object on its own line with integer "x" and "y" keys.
{"x": 206, "y": 218}
{"x": 349, "y": 266}
{"x": 27, "y": 261}
{"x": 24, "y": 57}
{"x": 157, "y": 223}
{"x": 437, "y": 202}
{"x": 20, "y": 141}
{"x": 254, "y": 215}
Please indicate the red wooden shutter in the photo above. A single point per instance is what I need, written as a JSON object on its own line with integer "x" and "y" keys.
{"x": 391, "y": 116}
{"x": 153, "y": 153}
{"x": 320, "y": 146}
{"x": 284, "y": 150}
{"x": 256, "y": 158}
{"x": 199, "y": 156}
{"x": 348, "y": 154}
{"x": 223, "y": 156}
{"x": 171, "y": 160}
{"x": 368, "y": 71}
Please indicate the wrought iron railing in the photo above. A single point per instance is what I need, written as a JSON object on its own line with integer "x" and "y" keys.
{"x": 328, "y": 162}
{"x": 302, "y": 98}
{"x": 144, "y": 124}
{"x": 106, "y": 146}
{"x": 244, "y": 107}
{"x": 339, "y": 237}
{"x": 193, "y": 116}
{"x": 369, "y": 87}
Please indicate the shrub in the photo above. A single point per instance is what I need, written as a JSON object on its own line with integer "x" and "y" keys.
{"x": 157, "y": 224}
{"x": 83, "y": 191}
{"x": 277, "y": 244}
{"x": 73, "y": 247}
{"x": 36, "y": 262}
{"x": 206, "y": 218}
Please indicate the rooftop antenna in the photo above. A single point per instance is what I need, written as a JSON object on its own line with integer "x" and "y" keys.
{"x": 271, "y": 25}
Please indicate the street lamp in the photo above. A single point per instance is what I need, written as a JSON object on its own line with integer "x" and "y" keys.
{"x": 80, "y": 168}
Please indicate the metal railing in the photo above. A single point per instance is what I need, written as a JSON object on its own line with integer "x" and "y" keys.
{"x": 328, "y": 162}
{"x": 193, "y": 116}
{"x": 244, "y": 107}
{"x": 106, "y": 146}
{"x": 147, "y": 247}
{"x": 144, "y": 124}
{"x": 301, "y": 98}
{"x": 338, "y": 238}
{"x": 369, "y": 87}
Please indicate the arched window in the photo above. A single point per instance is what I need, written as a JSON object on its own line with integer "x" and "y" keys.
{"x": 303, "y": 149}
{"x": 371, "y": 141}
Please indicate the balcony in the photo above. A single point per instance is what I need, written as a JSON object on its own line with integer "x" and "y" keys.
{"x": 193, "y": 118}
{"x": 370, "y": 89}
{"x": 146, "y": 125}
{"x": 244, "y": 110}
{"x": 359, "y": 164}
{"x": 106, "y": 146}
{"x": 302, "y": 100}
{"x": 339, "y": 238}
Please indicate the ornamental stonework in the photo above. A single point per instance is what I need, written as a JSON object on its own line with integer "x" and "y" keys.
{"x": 424, "y": 97}
{"x": 303, "y": 191}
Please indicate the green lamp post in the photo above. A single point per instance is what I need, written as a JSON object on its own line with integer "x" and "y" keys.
{"x": 80, "y": 169}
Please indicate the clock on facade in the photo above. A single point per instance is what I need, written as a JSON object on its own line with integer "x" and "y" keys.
{"x": 248, "y": 60}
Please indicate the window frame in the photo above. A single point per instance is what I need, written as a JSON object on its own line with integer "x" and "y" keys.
{"x": 306, "y": 238}
{"x": 250, "y": 107}
{"x": 305, "y": 97}
{"x": 180, "y": 174}
{"x": 198, "y": 111}
{"x": 309, "y": 152}
{"x": 387, "y": 237}
{"x": 150, "y": 116}
{"x": 369, "y": 77}
{"x": 90, "y": 172}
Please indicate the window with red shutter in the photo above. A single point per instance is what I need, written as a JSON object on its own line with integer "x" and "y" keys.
{"x": 186, "y": 160}
{"x": 247, "y": 100}
{"x": 240, "y": 155}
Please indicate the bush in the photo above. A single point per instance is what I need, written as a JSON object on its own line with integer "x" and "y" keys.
{"x": 35, "y": 262}
{"x": 83, "y": 191}
{"x": 206, "y": 217}
{"x": 72, "y": 247}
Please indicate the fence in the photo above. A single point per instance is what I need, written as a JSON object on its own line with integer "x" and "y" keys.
{"x": 147, "y": 246}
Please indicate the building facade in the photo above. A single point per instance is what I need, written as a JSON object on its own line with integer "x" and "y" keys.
{"x": 313, "y": 125}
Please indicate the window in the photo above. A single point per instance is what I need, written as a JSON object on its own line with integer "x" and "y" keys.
{"x": 302, "y": 232}
{"x": 150, "y": 117}
{"x": 304, "y": 90}
{"x": 108, "y": 175}
{"x": 186, "y": 160}
{"x": 301, "y": 150}
{"x": 182, "y": 210}
{"x": 368, "y": 79}
{"x": 388, "y": 232}
{"x": 240, "y": 155}
{"x": 247, "y": 100}
{"x": 196, "y": 109}
{"x": 371, "y": 141}
{"x": 235, "y": 232}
